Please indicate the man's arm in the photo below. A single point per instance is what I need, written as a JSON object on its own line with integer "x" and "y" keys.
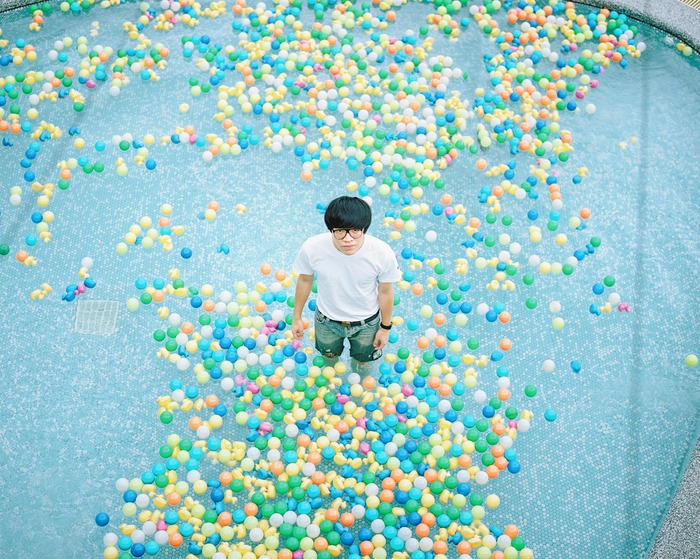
{"x": 303, "y": 288}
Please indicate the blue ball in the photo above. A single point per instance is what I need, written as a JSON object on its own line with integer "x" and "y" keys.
{"x": 550, "y": 415}
{"x": 575, "y": 366}
{"x": 150, "y": 164}
{"x": 186, "y": 253}
{"x": 102, "y": 519}
{"x": 598, "y": 288}
{"x": 37, "y": 217}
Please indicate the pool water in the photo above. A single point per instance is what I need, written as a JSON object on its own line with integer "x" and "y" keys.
{"x": 575, "y": 352}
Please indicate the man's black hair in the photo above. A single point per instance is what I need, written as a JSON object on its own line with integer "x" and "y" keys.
{"x": 348, "y": 212}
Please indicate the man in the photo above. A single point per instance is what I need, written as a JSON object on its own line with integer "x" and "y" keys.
{"x": 354, "y": 276}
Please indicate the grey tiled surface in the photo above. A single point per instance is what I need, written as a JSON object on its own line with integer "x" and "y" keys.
{"x": 671, "y": 16}
{"x": 679, "y": 536}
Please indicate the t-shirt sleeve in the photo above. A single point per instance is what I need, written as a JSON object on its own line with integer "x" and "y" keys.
{"x": 302, "y": 263}
{"x": 390, "y": 271}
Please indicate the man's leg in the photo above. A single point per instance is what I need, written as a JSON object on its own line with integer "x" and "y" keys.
{"x": 362, "y": 348}
{"x": 329, "y": 342}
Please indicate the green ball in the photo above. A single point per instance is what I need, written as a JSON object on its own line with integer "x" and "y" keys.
{"x": 165, "y": 451}
{"x": 530, "y": 391}
{"x": 124, "y": 145}
{"x": 609, "y": 281}
{"x": 146, "y": 298}
{"x": 159, "y": 335}
{"x": 166, "y": 417}
{"x": 531, "y": 303}
{"x": 528, "y": 279}
{"x": 4, "y": 250}
{"x": 78, "y": 107}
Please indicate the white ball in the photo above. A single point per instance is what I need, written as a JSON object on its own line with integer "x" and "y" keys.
{"x": 590, "y": 108}
{"x": 114, "y": 91}
{"x": 111, "y": 539}
{"x": 227, "y": 384}
{"x": 122, "y": 485}
{"x": 182, "y": 364}
{"x": 548, "y": 366}
{"x": 482, "y": 309}
{"x": 161, "y": 537}
{"x": 431, "y": 236}
{"x": 555, "y": 307}
{"x": 479, "y": 396}
{"x": 225, "y": 296}
{"x": 207, "y": 156}
{"x": 15, "y": 200}
{"x": 86, "y": 262}
{"x": 149, "y": 528}
{"x": 203, "y": 432}
{"x": 174, "y": 319}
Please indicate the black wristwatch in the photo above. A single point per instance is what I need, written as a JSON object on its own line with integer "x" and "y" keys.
{"x": 385, "y": 327}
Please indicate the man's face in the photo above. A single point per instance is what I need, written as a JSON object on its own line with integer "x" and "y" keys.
{"x": 347, "y": 244}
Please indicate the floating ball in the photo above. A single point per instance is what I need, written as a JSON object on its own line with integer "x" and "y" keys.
{"x": 691, "y": 360}
{"x": 548, "y": 366}
{"x": 102, "y": 519}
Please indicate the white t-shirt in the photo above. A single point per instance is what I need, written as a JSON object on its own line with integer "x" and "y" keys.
{"x": 347, "y": 284}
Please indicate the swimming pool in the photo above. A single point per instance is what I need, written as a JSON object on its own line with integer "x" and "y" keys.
{"x": 81, "y": 409}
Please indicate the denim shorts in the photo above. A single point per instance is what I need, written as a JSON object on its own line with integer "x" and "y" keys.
{"x": 331, "y": 335}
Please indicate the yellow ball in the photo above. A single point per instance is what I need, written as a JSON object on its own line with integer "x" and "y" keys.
{"x": 691, "y": 360}
{"x": 558, "y": 323}
{"x": 492, "y": 501}
{"x": 121, "y": 248}
{"x": 166, "y": 209}
{"x": 111, "y": 552}
{"x": 209, "y": 214}
{"x": 48, "y": 217}
{"x": 184, "y": 108}
{"x": 132, "y": 304}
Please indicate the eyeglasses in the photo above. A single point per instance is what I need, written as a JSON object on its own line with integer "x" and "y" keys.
{"x": 340, "y": 234}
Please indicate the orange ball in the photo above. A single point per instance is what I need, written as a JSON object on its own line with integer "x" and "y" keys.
{"x": 464, "y": 547}
{"x": 417, "y": 289}
{"x": 423, "y": 342}
{"x": 280, "y": 275}
{"x": 481, "y": 164}
{"x": 175, "y": 539}
{"x": 250, "y": 509}
{"x": 366, "y": 548}
{"x": 22, "y": 255}
{"x": 213, "y": 205}
{"x": 505, "y": 344}
{"x": 224, "y": 519}
{"x": 504, "y": 317}
{"x": 260, "y": 306}
{"x": 225, "y": 478}
{"x": 208, "y": 305}
{"x": 195, "y": 423}
{"x": 187, "y": 327}
{"x": 174, "y": 498}
{"x": 511, "y": 531}
{"x": 306, "y": 175}
{"x": 439, "y": 319}
{"x": 212, "y": 401}
{"x": 265, "y": 269}
{"x": 369, "y": 383}
{"x": 332, "y": 514}
{"x": 440, "y": 341}
{"x": 347, "y": 519}
{"x": 422, "y": 530}
{"x": 440, "y": 546}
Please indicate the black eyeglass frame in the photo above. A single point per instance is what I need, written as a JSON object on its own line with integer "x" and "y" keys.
{"x": 345, "y": 233}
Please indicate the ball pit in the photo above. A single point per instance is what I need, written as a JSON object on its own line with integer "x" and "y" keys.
{"x": 474, "y": 178}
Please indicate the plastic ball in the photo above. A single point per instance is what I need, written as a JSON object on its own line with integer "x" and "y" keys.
{"x": 186, "y": 253}
{"x": 691, "y": 360}
{"x": 548, "y": 366}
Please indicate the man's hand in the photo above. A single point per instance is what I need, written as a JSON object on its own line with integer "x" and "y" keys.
{"x": 381, "y": 338}
{"x": 298, "y": 328}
